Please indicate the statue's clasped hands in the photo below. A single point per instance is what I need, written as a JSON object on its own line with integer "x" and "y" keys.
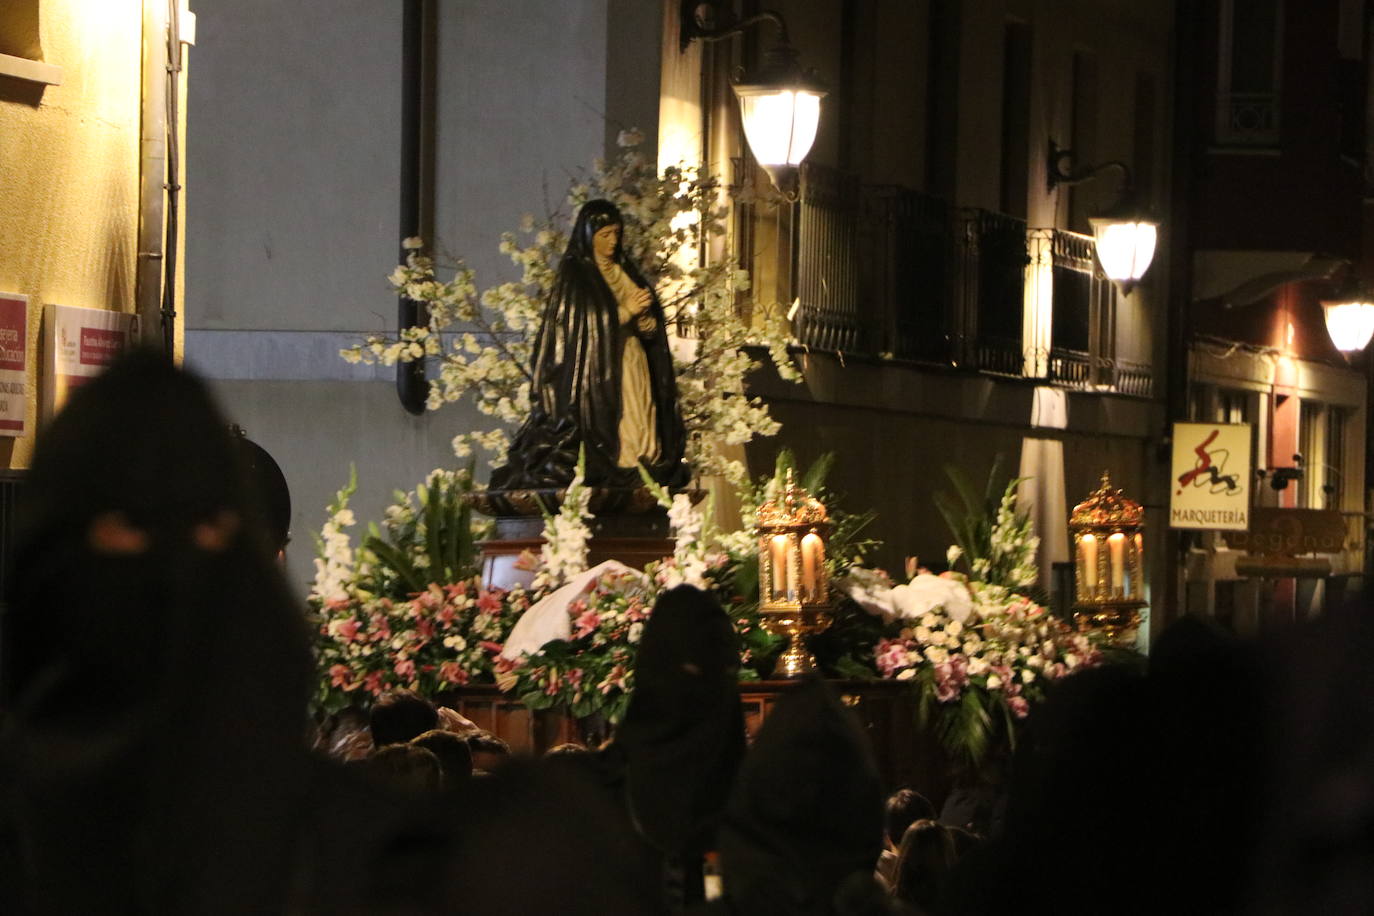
{"x": 644, "y": 319}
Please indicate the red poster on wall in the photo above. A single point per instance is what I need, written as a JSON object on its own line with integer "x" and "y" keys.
{"x": 14, "y": 324}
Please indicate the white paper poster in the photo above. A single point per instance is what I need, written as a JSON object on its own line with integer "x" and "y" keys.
{"x": 14, "y": 325}
{"x": 1211, "y": 476}
{"x": 78, "y": 344}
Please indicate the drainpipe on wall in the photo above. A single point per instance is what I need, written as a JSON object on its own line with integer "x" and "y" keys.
{"x": 417, "y": 173}
{"x": 168, "y": 312}
{"x": 1180, "y": 295}
{"x": 152, "y": 224}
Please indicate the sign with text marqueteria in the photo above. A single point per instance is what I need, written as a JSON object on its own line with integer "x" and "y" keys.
{"x": 14, "y": 363}
{"x": 1211, "y": 476}
{"x": 78, "y": 344}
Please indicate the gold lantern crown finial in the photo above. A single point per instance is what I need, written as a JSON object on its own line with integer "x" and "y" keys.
{"x": 792, "y": 506}
{"x": 1107, "y": 507}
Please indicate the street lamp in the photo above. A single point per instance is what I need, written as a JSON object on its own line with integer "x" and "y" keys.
{"x": 780, "y": 104}
{"x": 1349, "y": 321}
{"x": 1124, "y": 235}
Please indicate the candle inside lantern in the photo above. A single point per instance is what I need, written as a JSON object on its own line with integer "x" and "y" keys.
{"x": 1116, "y": 545}
{"x": 1087, "y": 545}
{"x": 777, "y": 552}
{"x": 812, "y": 560}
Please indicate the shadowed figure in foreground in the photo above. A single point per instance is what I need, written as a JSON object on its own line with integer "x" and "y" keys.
{"x": 1141, "y": 787}
{"x": 804, "y": 826}
{"x": 672, "y": 762}
{"x": 155, "y": 666}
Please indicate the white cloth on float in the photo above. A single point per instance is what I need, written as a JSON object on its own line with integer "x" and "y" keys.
{"x": 548, "y": 620}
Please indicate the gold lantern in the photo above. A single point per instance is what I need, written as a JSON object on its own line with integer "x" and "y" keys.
{"x": 1109, "y": 559}
{"x": 794, "y": 591}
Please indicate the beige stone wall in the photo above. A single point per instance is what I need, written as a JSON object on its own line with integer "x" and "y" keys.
{"x": 69, "y": 167}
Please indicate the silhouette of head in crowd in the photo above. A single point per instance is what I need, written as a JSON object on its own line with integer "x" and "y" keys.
{"x": 408, "y": 770}
{"x": 905, "y": 806}
{"x": 269, "y": 484}
{"x": 488, "y": 751}
{"x": 399, "y": 716}
{"x": 924, "y": 858}
{"x": 454, "y": 755}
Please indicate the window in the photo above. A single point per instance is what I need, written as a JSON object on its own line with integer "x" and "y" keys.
{"x": 1016, "y": 81}
{"x": 1333, "y": 459}
{"x": 1249, "y": 62}
{"x": 1322, "y": 438}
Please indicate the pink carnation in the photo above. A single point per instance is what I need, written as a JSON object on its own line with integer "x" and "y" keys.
{"x": 587, "y": 623}
{"x": 1019, "y": 707}
{"x": 890, "y": 656}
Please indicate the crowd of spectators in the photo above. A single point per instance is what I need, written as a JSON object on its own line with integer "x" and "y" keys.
{"x": 155, "y": 675}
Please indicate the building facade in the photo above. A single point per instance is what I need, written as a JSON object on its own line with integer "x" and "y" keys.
{"x": 1275, "y": 182}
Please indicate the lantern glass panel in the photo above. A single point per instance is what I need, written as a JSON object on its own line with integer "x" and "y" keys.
{"x": 777, "y": 552}
{"x": 780, "y": 125}
{"x": 1125, "y": 247}
{"x": 1350, "y": 324}
{"x": 813, "y": 566}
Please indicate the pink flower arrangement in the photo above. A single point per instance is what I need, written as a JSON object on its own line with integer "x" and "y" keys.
{"x": 1007, "y": 649}
{"x": 445, "y": 636}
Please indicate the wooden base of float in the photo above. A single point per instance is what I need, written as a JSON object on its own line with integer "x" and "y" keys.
{"x": 885, "y": 710}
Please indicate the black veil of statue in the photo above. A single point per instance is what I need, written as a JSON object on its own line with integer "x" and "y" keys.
{"x": 575, "y": 395}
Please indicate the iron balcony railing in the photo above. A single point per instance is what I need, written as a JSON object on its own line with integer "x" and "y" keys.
{"x": 891, "y": 272}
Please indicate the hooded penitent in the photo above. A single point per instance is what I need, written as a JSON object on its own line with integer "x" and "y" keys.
{"x": 683, "y": 734}
{"x": 575, "y": 394}
{"x": 155, "y": 669}
{"x": 804, "y": 825}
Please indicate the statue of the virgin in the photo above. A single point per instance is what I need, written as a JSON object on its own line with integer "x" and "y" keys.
{"x": 602, "y": 373}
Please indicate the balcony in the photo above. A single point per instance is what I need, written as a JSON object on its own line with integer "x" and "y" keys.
{"x": 889, "y": 272}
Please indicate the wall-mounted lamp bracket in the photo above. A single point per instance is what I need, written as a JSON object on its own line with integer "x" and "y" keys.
{"x": 698, "y": 21}
{"x": 1060, "y": 169}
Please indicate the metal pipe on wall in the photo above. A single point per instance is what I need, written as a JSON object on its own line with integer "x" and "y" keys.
{"x": 148, "y": 280}
{"x": 168, "y": 311}
{"x": 417, "y": 170}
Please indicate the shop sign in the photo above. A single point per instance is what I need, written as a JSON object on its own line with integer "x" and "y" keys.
{"x": 14, "y": 363}
{"x": 79, "y": 343}
{"x": 1289, "y": 532}
{"x": 1210, "y": 476}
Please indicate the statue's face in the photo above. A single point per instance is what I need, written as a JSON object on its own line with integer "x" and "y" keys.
{"x": 605, "y": 240}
